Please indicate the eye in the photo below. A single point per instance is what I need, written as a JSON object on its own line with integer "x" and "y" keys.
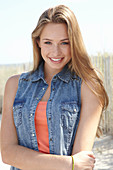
{"x": 65, "y": 43}
{"x": 47, "y": 42}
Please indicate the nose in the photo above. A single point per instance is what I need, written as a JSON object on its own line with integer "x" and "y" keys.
{"x": 56, "y": 50}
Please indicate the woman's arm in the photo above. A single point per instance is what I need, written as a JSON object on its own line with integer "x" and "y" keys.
{"x": 89, "y": 119}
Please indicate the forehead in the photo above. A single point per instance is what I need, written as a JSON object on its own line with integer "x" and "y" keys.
{"x": 54, "y": 30}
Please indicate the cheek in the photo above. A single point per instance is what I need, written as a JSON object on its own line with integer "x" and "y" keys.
{"x": 44, "y": 51}
{"x": 69, "y": 54}
{"x": 67, "y": 51}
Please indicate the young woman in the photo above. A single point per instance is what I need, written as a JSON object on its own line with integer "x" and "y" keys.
{"x": 51, "y": 114}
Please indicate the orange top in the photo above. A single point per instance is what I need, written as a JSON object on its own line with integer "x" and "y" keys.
{"x": 42, "y": 127}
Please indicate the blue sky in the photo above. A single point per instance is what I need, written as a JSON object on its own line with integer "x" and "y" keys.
{"x": 18, "y": 18}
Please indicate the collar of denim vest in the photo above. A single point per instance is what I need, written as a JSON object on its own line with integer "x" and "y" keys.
{"x": 65, "y": 75}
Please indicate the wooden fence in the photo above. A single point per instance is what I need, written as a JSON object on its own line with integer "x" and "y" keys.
{"x": 105, "y": 65}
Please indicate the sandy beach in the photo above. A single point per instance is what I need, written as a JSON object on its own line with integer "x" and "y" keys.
{"x": 103, "y": 150}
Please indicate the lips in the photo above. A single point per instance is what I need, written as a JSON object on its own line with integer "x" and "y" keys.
{"x": 56, "y": 60}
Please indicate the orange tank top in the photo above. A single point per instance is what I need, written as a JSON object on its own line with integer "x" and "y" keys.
{"x": 42, "y": 127}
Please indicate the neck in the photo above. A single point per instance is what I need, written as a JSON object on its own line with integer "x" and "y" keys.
{"x": 49, "y": 73}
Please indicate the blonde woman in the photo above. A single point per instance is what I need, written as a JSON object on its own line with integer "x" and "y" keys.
{"x": 51, "y": 114}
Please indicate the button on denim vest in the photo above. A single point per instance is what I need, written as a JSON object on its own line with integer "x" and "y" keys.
{"x": 63, "y": 109}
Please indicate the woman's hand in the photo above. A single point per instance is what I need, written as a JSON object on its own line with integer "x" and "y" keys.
{"x": 84, "y": 160}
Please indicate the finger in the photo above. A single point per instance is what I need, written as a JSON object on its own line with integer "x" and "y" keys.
{"x": 89, "y": 153}
{"x": 92, "y": 156}
{"x": 92, "y": 159}
{"x": 92, "y": 162}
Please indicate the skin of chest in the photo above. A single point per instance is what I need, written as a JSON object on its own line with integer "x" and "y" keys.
{"x": 47, "y": 94}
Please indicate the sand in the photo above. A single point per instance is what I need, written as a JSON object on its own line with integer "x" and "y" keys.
{"x": 103, "y": 150}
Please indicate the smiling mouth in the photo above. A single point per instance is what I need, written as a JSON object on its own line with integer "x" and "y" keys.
{"x": 56, "y": 59}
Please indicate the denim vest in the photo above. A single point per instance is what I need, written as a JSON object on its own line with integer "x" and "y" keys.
{"x": 63, "y": 109}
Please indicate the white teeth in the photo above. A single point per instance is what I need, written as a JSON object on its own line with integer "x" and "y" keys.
{"x": 55, "y": 59}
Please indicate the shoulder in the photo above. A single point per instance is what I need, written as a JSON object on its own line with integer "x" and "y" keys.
{"x": 88, "y": 96}
{"x": 87, "y": 89}
{"x": 11, "y": 86}
{"x": 12, "y": 81}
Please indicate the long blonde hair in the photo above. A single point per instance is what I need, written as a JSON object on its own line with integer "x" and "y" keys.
{"x": 80, "y": 62}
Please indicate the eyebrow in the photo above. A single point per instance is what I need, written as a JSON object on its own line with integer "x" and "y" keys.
{"x": 46, "y": 39}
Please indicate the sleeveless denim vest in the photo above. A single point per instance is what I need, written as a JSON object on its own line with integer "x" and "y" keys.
{"x": 63, "y": 109}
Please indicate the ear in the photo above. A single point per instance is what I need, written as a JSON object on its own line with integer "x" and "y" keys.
{"x": 38, "y": 42}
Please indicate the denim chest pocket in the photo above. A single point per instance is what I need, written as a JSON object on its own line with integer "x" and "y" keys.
{"x": 17, "y": 113}
{"x": 69, "y": 119}
{"x": 69, "y": 115}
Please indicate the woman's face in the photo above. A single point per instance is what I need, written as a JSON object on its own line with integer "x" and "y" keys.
{"x": 55, "y": 46}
